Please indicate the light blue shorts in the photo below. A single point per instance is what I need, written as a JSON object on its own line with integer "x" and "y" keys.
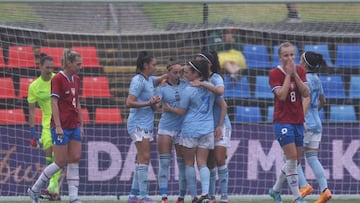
{"x": 205, "y": 141}
{"x": 173, "y": 134}
{"x": 224, "y": 141}
{"x": 141, "y": 134}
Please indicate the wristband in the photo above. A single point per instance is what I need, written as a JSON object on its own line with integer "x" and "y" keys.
{"x": 33, "y": 132}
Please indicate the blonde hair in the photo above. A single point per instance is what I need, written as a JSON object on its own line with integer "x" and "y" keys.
{"x": 284, "y": 44}
{"x": 68, "y": 57}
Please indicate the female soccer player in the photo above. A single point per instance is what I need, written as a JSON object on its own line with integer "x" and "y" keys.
{"x": 142, "y": 103}
{"x": 222, "y": 124}
{"x": 66, "y": 127}
{"x": 216, "y": 79}
{"x": 288, "y": 85}
{"x": 169, "y": 131}
{"x": 312, "y": 61}
{"x": 39, "y": 92}
{"x": 197, "y": 129}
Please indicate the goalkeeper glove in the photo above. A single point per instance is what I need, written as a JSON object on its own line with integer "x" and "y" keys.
{"x": 34, "y": 140}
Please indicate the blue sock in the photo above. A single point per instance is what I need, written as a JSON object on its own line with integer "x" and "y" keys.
{"x": 205, "y": 179}
{"x": 223, "y": 173}
{"x": 190, "y": 175}
{"x": 317, "y": 168}
{"x": 142, "y": 179}
{"x": 135, "y": 183}
{"x": 163, "y": 176}
{"x": 212, "y": 187}
{"x": 182, "y": 179}
{"x": 302, "y": 179}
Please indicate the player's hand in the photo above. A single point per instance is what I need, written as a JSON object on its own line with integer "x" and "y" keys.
{"x": 195, "y": 83}
{"x": 166, "y": 107}
{"x": 290, "y": 67}
{"x": 34, "y": 138}
{"x": 218, "y": 133}
{"x": 155, "y": 100}
{"x": 163, "y": 83}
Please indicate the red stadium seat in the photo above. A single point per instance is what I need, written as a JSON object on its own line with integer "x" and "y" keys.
{"x": 24, "y": 87}
{"x": 84, "y": 113}
{"x": 95, "y": 87}
{"x": 21, "y": 57}
{"x": 108, "y": 116}
{"x": 7, "y": 90}
{"x": 2, "y": 62}
{"x": 55, "y": 52}
{"x": 12, "y": 116}
{"x": 85, "y": 116}
{"x": 89, "y": 56}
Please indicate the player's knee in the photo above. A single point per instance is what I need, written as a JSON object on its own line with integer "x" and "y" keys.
{"x": 291, "y": 167}
{"x": 75, "y": 158}
{"x": 60, "y": 163}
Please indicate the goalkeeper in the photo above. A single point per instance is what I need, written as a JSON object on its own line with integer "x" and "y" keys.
{"x": 39, "y": 92}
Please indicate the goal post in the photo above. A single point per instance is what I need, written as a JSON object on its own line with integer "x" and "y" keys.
{"x": 110, "y": 34}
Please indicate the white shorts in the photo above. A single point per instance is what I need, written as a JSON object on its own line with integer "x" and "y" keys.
{"x": 205, "y": 142}
{"x": 174, "y": 135}
{"x": 312, "y": 139}
{"x": 140, "y": 134}
{"x": 224, "y": 141}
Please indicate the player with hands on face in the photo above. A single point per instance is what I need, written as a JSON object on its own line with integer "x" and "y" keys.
{"x": 288, "y": 83}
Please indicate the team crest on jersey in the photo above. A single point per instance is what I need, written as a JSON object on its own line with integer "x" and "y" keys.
{"x": 73, "y": 91}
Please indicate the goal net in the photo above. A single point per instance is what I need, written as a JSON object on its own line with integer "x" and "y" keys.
{"x": 110, "y": 34}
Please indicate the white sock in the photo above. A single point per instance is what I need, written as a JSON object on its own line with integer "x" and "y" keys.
{"x": 280, "y": 180}
{"x": 73, "y": 180}
{"x": 44, "y": 177}
{"x": 292, "y": 177}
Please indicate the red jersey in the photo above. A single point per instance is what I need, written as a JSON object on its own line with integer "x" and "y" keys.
{"x": 291, "y": 110}
{"x": 67, "y": 91}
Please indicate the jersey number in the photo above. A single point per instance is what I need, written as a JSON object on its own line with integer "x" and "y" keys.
{"x": 292, "y": 96}
{"x": 206, "y": 104}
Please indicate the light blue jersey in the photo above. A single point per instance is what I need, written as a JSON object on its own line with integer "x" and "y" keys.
{"x": 217, "y": 112}
{"x": 217, "y": 80}
{"x": 198, "y": 119}
{"x": 171, "y": 95}
{"x": 312, "y": 118}
{"x": 142, "y": 117}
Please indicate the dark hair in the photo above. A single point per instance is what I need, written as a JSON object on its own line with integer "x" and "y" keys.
{"x": 44, "y": 57}
{"x": 201, "y": 67}
{"x": 172, "y": 62}
{"x": 211, "y": 57}
{"x": 143, "y": 57}
{"x": 215, "y": 68}
{"x": 314, "y": 61}
{"x": 69, "y": 56}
